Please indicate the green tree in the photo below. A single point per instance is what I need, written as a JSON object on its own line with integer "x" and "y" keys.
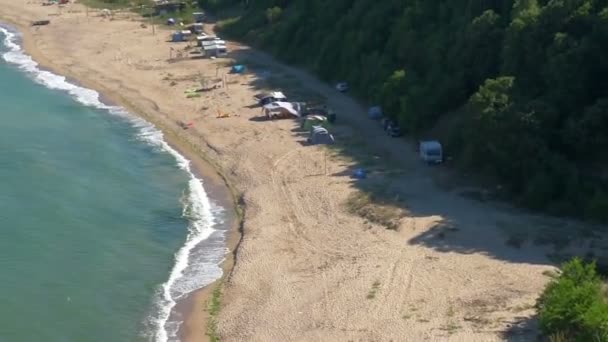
{"x": 273, "y": 14}
{"x": 574, "y": 305}
{"x": 524, "y": 81}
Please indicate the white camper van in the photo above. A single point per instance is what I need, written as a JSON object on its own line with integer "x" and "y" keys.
{"x": 431, "y": 151}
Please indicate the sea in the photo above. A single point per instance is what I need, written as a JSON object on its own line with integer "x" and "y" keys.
{"x": 104, "y": 226}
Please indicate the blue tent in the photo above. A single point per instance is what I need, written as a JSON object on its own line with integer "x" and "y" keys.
{"x": 360, "y": 174}
{"x": 375, "y": 113}
{"x": 238, "y": 69}
{"x": 177, "y": 37}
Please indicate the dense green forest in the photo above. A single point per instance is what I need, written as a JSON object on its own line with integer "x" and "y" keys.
{"x": 516, "y": 89}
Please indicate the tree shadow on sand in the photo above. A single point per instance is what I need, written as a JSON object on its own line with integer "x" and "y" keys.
{"x": 462, "y": 222}
{"x": 523, "y": 329}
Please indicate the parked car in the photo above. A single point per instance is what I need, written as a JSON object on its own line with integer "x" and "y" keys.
{"x": 384, "y": 122}
{"x": 375, "y": 113}
{"x": 393, "y": 130}
{"x": 430, "y": 151}
{"x": 342, "y": 87}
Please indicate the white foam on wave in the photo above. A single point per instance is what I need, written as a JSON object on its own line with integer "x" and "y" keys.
{"x": 202, "y": 214}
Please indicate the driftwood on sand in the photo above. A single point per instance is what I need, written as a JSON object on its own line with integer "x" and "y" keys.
{"x": 41, "y": 22}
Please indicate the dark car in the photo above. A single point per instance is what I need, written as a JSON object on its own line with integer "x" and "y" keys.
{"x": 393, "y": 130}
{"x": 342, "y": 87}
{"x": 384, "y": 122}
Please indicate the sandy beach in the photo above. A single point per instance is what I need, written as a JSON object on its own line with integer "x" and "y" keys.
{"x": 307, "y": 267}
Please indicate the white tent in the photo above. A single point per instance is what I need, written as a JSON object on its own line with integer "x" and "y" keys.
{"x": 320, "y": 135}
{"x": 280, "y": 109}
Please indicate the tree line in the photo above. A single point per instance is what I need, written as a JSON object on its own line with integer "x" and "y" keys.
{"x": 517, "y": 90}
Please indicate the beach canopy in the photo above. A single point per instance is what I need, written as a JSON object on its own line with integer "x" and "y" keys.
{"x": 238, "y": 69}
{"x": 264, "y": 99}
{"x": 280, "y": 109}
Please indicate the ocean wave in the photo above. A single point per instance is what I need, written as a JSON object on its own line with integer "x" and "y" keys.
{"x": 186, "y": 276}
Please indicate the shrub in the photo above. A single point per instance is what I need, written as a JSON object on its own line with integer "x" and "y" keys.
{"x": 574, "y": 306}
{"x": 273, "y": 14}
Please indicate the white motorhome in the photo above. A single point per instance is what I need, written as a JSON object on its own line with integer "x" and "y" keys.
{"x": 431, "y": 151}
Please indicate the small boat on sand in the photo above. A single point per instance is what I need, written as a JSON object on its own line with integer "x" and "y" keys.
{"x": 41, "y": 22}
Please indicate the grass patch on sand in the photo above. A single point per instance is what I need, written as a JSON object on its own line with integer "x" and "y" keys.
{"x": 353, "y": 149}
{"x": 215, "y": 304}
{"x": 451, "y": 328}
{"x": 375, "y": 207}
{"x": 372, "y": 293}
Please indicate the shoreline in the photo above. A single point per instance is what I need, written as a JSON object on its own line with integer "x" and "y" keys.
{"x": 195, "y": 303}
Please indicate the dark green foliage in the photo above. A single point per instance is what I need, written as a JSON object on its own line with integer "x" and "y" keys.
{"x": 574, "y": 304}
{"x": 526, "y": 80}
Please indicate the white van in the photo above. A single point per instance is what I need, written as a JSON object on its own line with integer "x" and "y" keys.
{"x": 431, "y": 151}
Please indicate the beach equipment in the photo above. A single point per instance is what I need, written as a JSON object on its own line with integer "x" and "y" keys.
{"x": 41, "y": 22}
{"x": 214, "y": 48}
{"x": 198, "y": 17}
{"x": 192, "y": 92}
{"x": 360, "y": 174}
{"x": 185, "y": 125}
{"x": 238, "y": 69}
{"x": 314, "y": 110}
{"x": 177, "y": 37}
{"x": 197, "y": 28}
{"x": 314, "y": 120}
{"x": 264, "y": 99}
{"x": 200, "y": 39}
{"x": 275, "y": 110}
{"x": 320, "y": 135}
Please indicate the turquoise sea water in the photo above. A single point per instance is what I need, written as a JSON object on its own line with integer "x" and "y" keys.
{"x": 92, "y": 205}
